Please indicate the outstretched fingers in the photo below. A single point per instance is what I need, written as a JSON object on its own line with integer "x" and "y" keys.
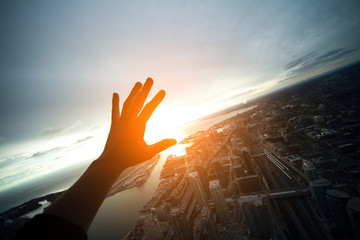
{"x": 141, "y": 97}
{"x": 130, "y": 99}
{"x": 115, "y": 113}
{"x": 151, "y": 106}
{"x": 160, "y": 146}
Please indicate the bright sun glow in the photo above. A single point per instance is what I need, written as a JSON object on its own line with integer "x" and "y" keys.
{"x": 163, "y": 125}
{"x": 177, "y": 150}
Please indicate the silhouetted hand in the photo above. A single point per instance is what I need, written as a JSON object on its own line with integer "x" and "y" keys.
{"x": 125, "y": 145}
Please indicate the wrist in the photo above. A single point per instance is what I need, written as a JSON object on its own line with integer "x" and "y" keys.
{"x": 104, "y": 167}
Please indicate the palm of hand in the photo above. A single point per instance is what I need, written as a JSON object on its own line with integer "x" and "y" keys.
{"x": 126, "y": 145}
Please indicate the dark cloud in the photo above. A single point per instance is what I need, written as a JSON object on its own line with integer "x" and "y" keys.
{"x": 312, "y": 61}
{"x": 51, "y": 132}
{"x": 334, "y": 55}
{"x": 299, "y": 61}
{"x": 330, "y": 54}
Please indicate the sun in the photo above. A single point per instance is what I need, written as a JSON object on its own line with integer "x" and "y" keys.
{"x": 156, "y": 131}
{"x": 176, "y": 150}
{"x": 165, "y": 125}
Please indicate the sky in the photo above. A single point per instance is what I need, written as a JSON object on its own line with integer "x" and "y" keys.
{"x": 60, "y": 62}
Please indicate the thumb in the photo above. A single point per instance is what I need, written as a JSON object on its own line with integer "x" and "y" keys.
{"x": 161, "y": 146}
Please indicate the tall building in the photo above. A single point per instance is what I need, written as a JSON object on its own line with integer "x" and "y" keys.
{"x": 197, "y": 187}
{"x": 353, "y": 210}
{"x": 310, "y": 171}
{"x": 196, "y": 167}
{"x": 151, "y": 227}
{"x": 257, "y": 216}
{"x": 337, "y": 205}
{"x": 318, "y": 190}
{"x": 220, "y": 201}
{"x": 180, "y": 225}
{"x": 220, "y": 173}
{"x": 247, "y": 162}
{"x": 209, "y": 225}
{"x": 161, "y": 212}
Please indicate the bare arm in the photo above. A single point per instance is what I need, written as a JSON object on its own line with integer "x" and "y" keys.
{"x": 125, "y": 147}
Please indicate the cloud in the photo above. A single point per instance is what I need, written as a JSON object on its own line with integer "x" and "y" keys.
{"x": 312, "y": 61}
{"x": 51, "y": 132}
{"x": 10, "y": 160}
{"x": 41, "y": 153}
{"x": 299, "y": 61}
{"x": 83, "y": 139}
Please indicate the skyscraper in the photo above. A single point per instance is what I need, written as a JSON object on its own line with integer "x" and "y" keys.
{"x": 196, "y": 185}
{"x": 220, "y": 202}
{"x": 247, "y": 162}
{"x": 180, "y": 225}
{"x": 151, "y": 227}
{"x": 256, "y": 215}
{"x": 196, "y": 167}
{"x": 220, "y": 173}
{"x": 161, "y": 212}
{"x": 209, "y": 225}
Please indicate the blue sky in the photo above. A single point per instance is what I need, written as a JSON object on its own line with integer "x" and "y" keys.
{"x": 61, "y": 60}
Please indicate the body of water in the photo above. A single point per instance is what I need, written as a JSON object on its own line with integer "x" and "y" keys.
{"x": 53, "y": 182}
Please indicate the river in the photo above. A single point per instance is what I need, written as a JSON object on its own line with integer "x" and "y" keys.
{"x": 118, "y": 214}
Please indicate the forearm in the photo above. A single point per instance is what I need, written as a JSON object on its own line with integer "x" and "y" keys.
{"x": 80, "y": 203}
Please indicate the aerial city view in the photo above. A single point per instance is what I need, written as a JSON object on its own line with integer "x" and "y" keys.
{"x": 287, "y": 169}
{"x": 180, "y": 120}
